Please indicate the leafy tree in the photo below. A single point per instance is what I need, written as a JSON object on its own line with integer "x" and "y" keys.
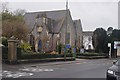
{"x": 115, "y": 36}
{"x": 109, "y": 31}
{"x": 99, "y": 40}
{"x": 14, "y": 25}
{"x": 4, "y": 41}
{"x": 4, "y": 6}
{"x": 19, "y": 12}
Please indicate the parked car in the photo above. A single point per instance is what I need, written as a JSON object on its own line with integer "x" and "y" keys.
{"x": 113, "y": 73}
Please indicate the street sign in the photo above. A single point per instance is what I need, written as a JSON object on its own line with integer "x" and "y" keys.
{"x": 116, "y": 44}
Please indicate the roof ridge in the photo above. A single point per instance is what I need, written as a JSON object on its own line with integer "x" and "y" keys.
{"x": 88, "y": 31}
{"x": 77, "y": 20}
{"x": 45, "y": 11}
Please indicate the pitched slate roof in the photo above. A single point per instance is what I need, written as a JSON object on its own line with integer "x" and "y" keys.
{"x": 78, "y": 25}
{"x": 58, "y": 16}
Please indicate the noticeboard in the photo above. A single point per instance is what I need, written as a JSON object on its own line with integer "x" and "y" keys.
{"x": 68, "y": 46}
{"x": 116, "y": 44}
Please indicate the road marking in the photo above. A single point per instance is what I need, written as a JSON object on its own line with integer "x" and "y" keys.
{"x": 84, "y": 62}
{"x": 15, "y": 74}
{"x": 78, "y": 63}
{"x": 37, "y": 69}
{"x": 50, "y": 70}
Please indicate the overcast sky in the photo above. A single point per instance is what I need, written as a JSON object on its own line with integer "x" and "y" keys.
{"x": 93, "y": 13}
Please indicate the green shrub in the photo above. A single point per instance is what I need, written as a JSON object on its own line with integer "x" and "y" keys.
{"x": 5, "y": 53}
{"x": 26, "y": 47}
{"x": 39, "y": 56}
{"x": 43, "y": 56}
{"x": 59, "y": 48}
{"x": 4, "y": 41}
{"x": 18, "y": 53}
{"x": 90, "y": 54}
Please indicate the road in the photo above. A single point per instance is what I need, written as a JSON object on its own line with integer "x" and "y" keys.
{"x": 81, "y": 68}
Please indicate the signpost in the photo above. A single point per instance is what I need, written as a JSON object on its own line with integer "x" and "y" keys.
{"x": 117, "y": 46}
{"x": 109, "y": 45}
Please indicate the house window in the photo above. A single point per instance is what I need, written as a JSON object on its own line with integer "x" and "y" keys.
{"x": 44, "y": 20}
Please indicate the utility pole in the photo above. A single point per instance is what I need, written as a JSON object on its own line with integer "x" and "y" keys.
{"x": 75, "y": 48}
{"x": 66, "y": 29}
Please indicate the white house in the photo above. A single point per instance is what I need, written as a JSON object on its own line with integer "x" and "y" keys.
{"x": 87, "y": 40}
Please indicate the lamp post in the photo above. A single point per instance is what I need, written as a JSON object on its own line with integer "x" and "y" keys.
{"x": 75, "y": 48}
{"x": 65, "y": 51}
{"x": 58, "y": 42}
{"x": 47, "y": 44}
{"x": 58, "y": 36}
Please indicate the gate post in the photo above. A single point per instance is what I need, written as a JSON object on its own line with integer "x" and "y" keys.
{"x": 12, "y": 50}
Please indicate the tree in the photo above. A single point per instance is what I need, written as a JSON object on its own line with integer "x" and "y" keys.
{"x": 99, "y": 40}
{"x": 115, "y": 36}
{"x": 4, "y": 6}
{"x": 14, "y": 25}
{"x": 109, "y": 31}
{"x": 19, "y": 12}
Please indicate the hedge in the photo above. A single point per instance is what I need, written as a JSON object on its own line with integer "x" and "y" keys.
{"x": 42, "y": 56}
{"x": 5, "y": 53}
{"x": 32, "y": 55}
{"x": 90, "y": 54}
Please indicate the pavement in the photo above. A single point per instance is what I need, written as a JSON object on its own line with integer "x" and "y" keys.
{"x": 46, "y": 60}
{"x": 91, "y": 57}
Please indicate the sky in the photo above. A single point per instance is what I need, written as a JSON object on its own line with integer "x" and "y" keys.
{"x": 92, "y": 13}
